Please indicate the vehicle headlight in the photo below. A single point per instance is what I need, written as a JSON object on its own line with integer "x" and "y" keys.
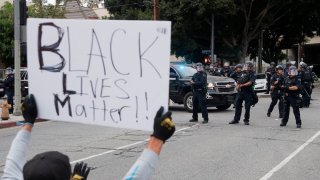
{"x": 210, "y": 85}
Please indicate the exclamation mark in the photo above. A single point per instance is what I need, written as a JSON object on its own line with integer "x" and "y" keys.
{"x": 146, "y": 97}
{"x": 137, "y": 108}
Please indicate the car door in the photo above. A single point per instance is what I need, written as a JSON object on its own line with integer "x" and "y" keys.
{"x": 174, "y": 84}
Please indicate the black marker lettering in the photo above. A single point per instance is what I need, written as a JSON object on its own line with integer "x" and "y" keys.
{"x": 111, "y": 52}
{"x": 94, "y": 91}
{"x": 82, "y": 110}
{"x": 81, "y": 85}
{"x": 126, "y": 96}
{"x": 103, "y": 86}
{"x": 144, "y": 59}
{"x": 64, "y": 85}
{"x": 50, "y": 48}
{"x": 146, "y": 97}
{"x": 94, "y": 36}
{"x": 62, "y": 103}
{"x": 93, "y": 110}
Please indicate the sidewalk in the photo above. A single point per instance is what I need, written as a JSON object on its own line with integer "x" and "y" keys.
{"x": 12, "y": 121}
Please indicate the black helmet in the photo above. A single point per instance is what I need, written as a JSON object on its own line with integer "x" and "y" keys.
{"x": 248, "y": 66}
{"x": 279, "y": 67}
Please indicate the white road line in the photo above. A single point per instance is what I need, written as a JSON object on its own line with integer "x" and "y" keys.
{"x": 292, "y": 155}
{"x": 122, "y": 147}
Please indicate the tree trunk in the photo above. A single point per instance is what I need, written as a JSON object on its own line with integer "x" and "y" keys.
{"x": 244, "y": 50}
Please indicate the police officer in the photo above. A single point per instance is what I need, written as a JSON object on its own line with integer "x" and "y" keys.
{"x": 9, "y": 87}
{"x": 199, "y": 84}
{"x": 306, "y": 82}
{"x": 236, "y": 74}
{"x": 277, "y": 88}
{"x": 269, "y": 73}
{"x": 245, "y": 93}
{"x": 292, "y": 87}
{"x": 226, "y": 70}
{"x": 286, "y": 70}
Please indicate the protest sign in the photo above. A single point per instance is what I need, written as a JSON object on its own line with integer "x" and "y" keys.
{"x": 109, "y": 73}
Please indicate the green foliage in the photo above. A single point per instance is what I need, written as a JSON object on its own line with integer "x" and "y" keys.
{"x": 238, "y": 24}
{"x": 38, "y": 10}
{"x": 126, "y": 9}
{"x": 6, "y": 34}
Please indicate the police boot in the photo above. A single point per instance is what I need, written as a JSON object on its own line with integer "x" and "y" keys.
{"x": 193, "y": 120}
{"x": 234, "y": 122}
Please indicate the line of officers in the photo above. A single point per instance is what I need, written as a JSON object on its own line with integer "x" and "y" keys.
{"x": 286, "y": 85}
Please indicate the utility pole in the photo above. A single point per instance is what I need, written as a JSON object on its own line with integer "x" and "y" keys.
{"x": 17, "y": 59}
{"x": 156, "y": 10}
{"x": 213, "y": 59}
{"x": 260, "y": 52}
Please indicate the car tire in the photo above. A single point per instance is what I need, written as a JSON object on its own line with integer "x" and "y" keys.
{"x": 187, "y": 102}
{"x": 223, "y": 107}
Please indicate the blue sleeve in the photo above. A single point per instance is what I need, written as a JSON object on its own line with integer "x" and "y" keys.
{"x": 17, "y": 156}
{"x": 253, "y": 78}
{"x": 144, "y": 167}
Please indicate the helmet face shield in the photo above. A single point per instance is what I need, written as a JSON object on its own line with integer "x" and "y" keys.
{"x": 247, "y": 67}
{"x": 293, "y": 72}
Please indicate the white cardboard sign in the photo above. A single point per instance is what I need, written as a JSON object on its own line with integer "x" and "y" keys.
{"x": 109, "y": 73}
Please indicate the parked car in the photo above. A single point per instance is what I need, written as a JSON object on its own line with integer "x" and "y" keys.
{"x": 24, "y": 83}
{"x": 2, "y": 89}
{"x": 261, "y": 83}
{"x": 220, "y": 93}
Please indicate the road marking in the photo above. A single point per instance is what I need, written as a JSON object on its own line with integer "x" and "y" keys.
{"x": 123, "y": 147}
{"x": 292, "y": 155}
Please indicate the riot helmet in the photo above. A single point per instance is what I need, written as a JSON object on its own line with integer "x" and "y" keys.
{"x": 303, "y": 65}
{"x": 199, "y": 67}
{"x": 248, "y": 66}
{"x": 279, "y": 67}
{"x": 293, "y": 71}
{"x": 272, "y": 64}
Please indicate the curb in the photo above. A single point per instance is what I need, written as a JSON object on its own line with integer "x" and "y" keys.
{"x": 263, "y": 95}
{"x": 8, "y": 124}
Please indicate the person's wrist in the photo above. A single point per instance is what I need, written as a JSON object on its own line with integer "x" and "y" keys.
{"x": 155, "y": 144}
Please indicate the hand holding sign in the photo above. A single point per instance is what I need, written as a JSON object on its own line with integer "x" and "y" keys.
{"x": 163, "y": 127}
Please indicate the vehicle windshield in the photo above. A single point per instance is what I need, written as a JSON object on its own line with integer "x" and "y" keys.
{"x": 185, "y": 71}
{"x": 261, "y": 76}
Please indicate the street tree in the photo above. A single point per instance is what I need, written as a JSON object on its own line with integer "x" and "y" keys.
{"x": 6, "y": 34}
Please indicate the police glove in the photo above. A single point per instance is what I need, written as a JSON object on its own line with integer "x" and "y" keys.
{"x": 80, "y": 171}
{"x": 29, "y": 109}
{"x": 163, "y": 127}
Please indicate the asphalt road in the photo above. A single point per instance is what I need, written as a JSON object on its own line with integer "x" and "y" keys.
{"x": 214, "y": 151}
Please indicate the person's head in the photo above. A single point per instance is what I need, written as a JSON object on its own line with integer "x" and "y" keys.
{"x": 226, "y": 65}
{"x": 272, "y": 64}
{"x": 279, "y": 69}
{"x": 9, "y": 70}
{"x": 199, "y": 67}
{"x": 288, "y": 64}
{"x": 303, "y": 66}
{"x": 248, "y": 67}
{"x": 50, "y": 165}
{"x": 293, "y": 72}
{"x": 238, "y": 68}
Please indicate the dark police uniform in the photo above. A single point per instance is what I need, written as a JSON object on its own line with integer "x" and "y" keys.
{"x": 269, "y": 73}
{"x": 226, "y": 72}
{"x": 290, "y": 99}
{"x": 245, "y": 94}
{"x": 9, "y": 88}
{"x": 277, "y": 94}
{"x": 306, "y": 82}
{"x": 235, "y": 75}
{"x": 199, "y": 95}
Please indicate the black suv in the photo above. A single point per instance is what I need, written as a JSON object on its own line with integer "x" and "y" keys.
{"x": 221, "y": 90}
